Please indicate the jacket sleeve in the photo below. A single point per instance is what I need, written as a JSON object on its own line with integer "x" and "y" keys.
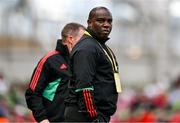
{"x": 84, "y": 64}
{"x": 33, "y": 94}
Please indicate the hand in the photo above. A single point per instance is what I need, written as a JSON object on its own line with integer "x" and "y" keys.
{"x": 45, "y": 121}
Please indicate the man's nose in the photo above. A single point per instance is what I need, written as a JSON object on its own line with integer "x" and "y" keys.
{"x": 107, "y": 24}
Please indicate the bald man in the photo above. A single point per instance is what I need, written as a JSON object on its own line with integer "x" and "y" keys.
{"x": 96, "y": 84}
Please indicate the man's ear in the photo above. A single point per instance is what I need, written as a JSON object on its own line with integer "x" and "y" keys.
{"x": 89, "y": 22}
{"x": 70, "y": 39}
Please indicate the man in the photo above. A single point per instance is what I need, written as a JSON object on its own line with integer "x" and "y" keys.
{"x": 48, "y": 85}
{"x": 95, "y": 86}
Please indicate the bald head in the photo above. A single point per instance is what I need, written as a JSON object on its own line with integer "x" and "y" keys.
{"x": 100, "y": 22}
{"x": 94, "y": 11}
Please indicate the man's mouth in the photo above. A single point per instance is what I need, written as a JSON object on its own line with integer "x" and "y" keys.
{"x": 106, "y": 31}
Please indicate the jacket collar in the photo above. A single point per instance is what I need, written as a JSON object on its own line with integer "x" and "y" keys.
{"x": 102, "y": 41}
{"x": 62, "y": 48}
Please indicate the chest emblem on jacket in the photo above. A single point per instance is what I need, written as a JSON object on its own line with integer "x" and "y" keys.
{"x": 63, "y": 66}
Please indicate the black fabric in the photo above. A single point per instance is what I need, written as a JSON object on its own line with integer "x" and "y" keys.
{"x": 92, "y": 68}
{"x": 73, "y": 114}
{"x": 62, "y": 48}
{"x": 41, "y": 107}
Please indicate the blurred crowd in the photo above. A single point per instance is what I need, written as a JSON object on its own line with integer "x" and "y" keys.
{"x": 12, "y": 102}
{"x": 156, "y": 102}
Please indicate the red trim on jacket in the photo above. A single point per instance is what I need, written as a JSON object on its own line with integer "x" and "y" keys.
{"x": 39, "y": 68}
{"x": 89, "y": 103}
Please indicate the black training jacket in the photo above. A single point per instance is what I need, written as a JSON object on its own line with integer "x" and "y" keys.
{"x": 93, "y": 86}
{"x": 48, "y": 86}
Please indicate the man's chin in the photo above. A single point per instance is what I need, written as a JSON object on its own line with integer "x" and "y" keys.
{"x": 104, "y": 36}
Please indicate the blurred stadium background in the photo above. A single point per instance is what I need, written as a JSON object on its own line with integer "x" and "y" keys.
{"x": 145, "y": 39}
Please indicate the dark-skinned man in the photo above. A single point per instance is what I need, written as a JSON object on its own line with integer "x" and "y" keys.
{"x": 95, "y": 84}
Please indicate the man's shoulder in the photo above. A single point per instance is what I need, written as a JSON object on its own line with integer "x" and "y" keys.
{"x": 87, "y": 42}
{"x": 52, "y": 56}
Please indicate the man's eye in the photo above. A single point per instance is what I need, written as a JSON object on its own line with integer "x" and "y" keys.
{"x": 109, "y": 21}
{"x": 100, "y": 21}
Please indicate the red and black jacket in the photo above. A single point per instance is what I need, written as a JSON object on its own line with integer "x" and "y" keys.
{"x": 48, "y": 86}
{"x": 93, "y": 86}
